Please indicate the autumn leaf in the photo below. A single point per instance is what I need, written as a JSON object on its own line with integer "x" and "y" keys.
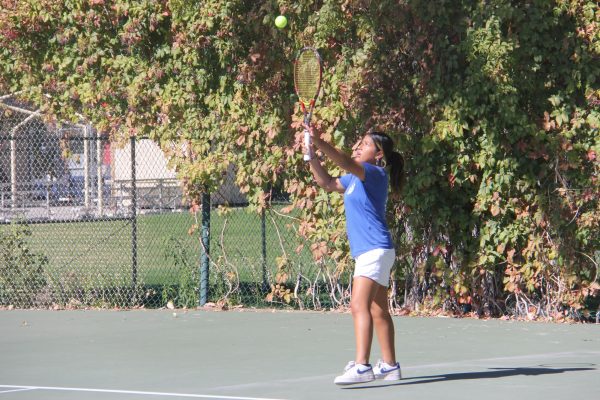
{"x": 495, "y": 209}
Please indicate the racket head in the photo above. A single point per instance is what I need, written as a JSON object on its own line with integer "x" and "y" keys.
{"x": 308, "y": 72}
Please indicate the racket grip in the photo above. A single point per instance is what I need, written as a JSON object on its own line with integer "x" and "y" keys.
{"x": 307, "y": 145}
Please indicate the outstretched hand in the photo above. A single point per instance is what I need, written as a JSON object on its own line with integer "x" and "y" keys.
{"x": 315, "y": 136}
{"x": 315, "y": 139}
{"x": 337, "y": 156}
{"x": 310, "y": 150}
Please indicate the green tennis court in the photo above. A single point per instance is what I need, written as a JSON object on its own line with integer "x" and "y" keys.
{"x": 153, "y": 354}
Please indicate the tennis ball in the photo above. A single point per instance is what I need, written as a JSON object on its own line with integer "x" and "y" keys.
{"x": 281, "y": 21}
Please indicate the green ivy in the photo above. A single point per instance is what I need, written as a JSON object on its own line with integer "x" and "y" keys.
{"x": 495, "y": 106}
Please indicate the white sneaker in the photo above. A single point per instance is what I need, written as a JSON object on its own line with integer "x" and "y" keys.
{"x": 387, "y": 372}
{"x": 355, "y": 373}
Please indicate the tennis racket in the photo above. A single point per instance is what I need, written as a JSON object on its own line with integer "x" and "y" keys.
{"x": 308, "y": 71}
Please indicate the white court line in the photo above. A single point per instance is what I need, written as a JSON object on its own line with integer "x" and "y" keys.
{"x": 14, "y": 390}
{"x": 165, "y": 394}
{"x": 310, "y": 378}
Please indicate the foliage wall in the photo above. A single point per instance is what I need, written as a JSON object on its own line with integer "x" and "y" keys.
{"x": 494, "y": 104}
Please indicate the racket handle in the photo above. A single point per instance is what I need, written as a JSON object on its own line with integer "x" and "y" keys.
{"x": 307, "y": 145}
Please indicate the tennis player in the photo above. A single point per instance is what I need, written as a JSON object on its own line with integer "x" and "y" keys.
{"x": 365, "y": 188}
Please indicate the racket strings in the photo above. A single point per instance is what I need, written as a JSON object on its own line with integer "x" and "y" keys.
{"x": 307, "y": 75}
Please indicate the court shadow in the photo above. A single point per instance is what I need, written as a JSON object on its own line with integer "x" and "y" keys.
{"x": 492, "y": 373}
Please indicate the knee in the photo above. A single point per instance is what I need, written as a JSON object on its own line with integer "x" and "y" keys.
{"x": 379, "y": 314}
{"x": 359, "y": 308}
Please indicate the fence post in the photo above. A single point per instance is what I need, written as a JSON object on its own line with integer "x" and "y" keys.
{"x": 99, "y": 174}
{"x": 204, "y": 262}
{"x": 86, "y": 168}
{"x": 263, "y": 231}
{"x": 13, "y": 169}
{"x": 133, "y": 223}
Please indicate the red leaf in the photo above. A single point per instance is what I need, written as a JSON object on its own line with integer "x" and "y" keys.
{"x": 451, "y": 179}
{"x": 255, "y": 56}
{"x": 495, "y": 210}
{"x": 510, "y": 254}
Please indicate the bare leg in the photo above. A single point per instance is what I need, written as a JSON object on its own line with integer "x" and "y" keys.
{"x": 384, "y": 325}
{"x": 363, "y": 293}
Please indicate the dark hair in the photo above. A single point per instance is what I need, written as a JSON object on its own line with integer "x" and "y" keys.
{"x": 391, "y": 158}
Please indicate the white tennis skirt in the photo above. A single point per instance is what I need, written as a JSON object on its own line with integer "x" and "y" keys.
{"x": 376, "y": 265}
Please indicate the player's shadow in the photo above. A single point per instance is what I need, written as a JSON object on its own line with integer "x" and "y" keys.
{"x": 492, "y": 373}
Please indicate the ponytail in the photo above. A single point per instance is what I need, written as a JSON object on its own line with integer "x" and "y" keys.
{"x": 393, "y": 160}
{"x": 396, "y": 164}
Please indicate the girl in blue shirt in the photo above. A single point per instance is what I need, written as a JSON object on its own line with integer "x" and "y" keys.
{"x": 365, "y": 188}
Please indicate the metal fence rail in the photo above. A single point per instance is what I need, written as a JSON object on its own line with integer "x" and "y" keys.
{"x": 84, "y": 222}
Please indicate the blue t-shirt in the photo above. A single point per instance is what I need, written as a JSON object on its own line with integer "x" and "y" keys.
{"x": 364, "y": 205}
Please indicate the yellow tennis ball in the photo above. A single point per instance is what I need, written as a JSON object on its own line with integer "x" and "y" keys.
{"x": 281, "y": 21}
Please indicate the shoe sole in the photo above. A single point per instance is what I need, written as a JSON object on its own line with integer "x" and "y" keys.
{"x": 389, "y": 378}
{"x": 346, "y": 383}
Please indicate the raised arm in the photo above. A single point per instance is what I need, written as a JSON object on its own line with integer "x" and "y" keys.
{"x": 336, "y": 155}
{"x": 323, "y": 178}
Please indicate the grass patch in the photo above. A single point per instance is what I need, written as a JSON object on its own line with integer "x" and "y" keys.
{"x": 98, "y": 255}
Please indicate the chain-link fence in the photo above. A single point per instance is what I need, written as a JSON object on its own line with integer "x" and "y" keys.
{"x": 87, "y": 222}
